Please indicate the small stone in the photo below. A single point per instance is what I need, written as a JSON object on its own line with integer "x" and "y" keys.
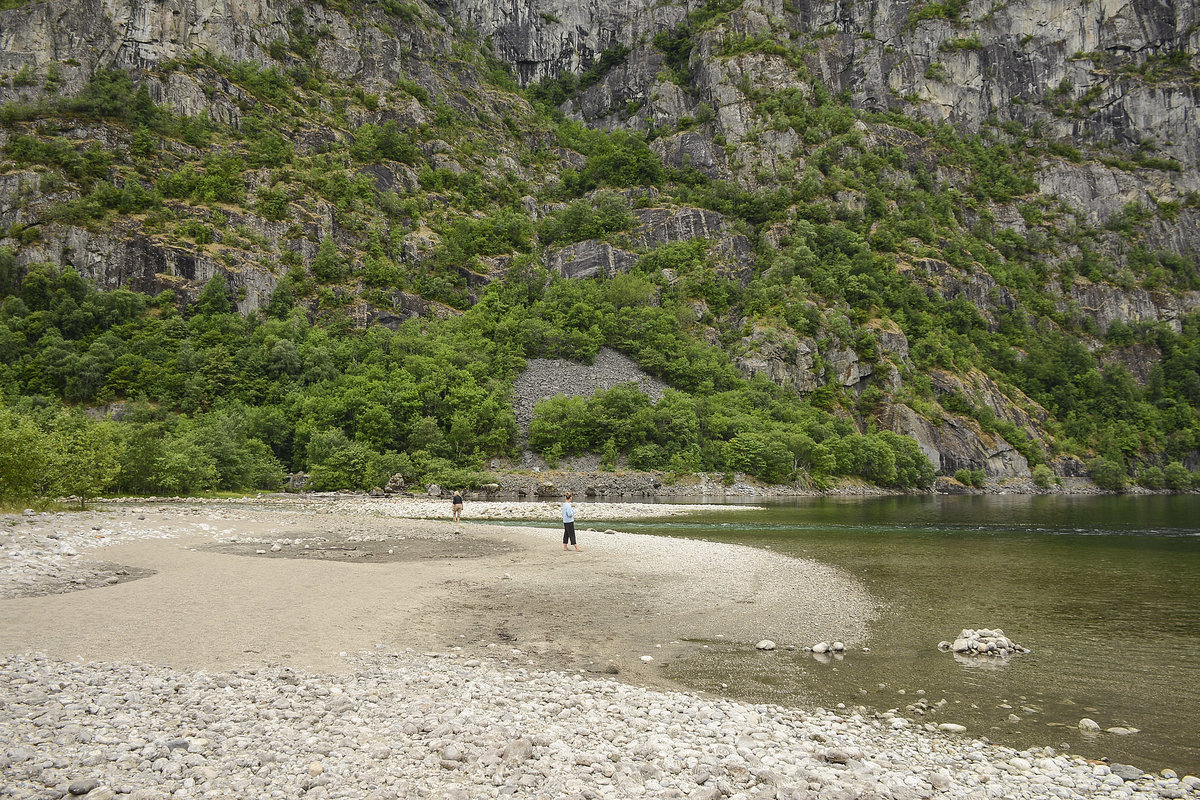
{"x": 951, "y": 727}
{"x": 83, "y": 786}
{"x": 517, "y": 751}
{"x": 836, "y": 755}
{"x": 315, "y": 769}
{"x": 1126, "y": 771}
{"x": 765, "y": 644}
{"x": 1089, "y": 725}
{"x": 821, "y": 647}
{"x": 940, "y": 781}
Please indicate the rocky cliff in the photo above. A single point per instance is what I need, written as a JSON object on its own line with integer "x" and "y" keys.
{"x": 1116, "y": 74}
{"x": 1101, "y": 98}
{"x": 961, "y": 62}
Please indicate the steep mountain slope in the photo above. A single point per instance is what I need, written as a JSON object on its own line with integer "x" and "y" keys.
{"x": 973, "y": 225}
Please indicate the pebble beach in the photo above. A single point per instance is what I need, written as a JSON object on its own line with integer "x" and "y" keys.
{"x": 456, "y": 711}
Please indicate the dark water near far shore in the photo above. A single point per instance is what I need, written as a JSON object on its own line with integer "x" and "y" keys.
{"x": 1105, "y": 591}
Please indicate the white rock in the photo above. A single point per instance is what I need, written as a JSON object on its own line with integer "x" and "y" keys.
{"x": 765, "y": 644}
{"x": 1087, "y": 724}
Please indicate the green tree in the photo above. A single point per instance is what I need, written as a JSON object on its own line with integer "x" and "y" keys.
{"x": 336, "y": 462}
{"x": 214, "y": 297}
{"x": 1107, "y": 474}
{"x": 184, "y": 468}
{"x": 1152, "y": 478}
{"x": 84, "y": 457}
{"x": 1042, "y": 476}
{"x": 23, "y": 456}
{"x": 1177, "y": 477}
{"x": 762, "y": 456}
{"x": 328, "y": 265}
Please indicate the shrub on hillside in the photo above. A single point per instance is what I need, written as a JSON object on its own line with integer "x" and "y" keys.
{"x": 1152, "y": 478}
{"x": 971, "y": 477}
{"x": 1107, "y": 474}
{"x": 1177, "y": 477}
{"x": 1042, "y": 476}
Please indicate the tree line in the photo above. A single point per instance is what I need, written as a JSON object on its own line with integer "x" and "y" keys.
{"x": 164, "y": 401}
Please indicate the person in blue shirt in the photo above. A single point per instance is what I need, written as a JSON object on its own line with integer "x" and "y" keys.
{"x": 568, "y": 514}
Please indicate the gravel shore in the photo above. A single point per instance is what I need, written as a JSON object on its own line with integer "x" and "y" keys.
{"x": 333, "y": 650}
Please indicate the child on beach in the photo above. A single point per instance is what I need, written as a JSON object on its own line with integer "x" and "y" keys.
{"x": 568, "y": 515}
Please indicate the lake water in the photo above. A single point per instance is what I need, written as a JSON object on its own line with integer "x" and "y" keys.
{"x": 1105, "y": 591}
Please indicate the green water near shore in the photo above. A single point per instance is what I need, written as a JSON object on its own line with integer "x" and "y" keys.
{"x": 1105, "y": 591}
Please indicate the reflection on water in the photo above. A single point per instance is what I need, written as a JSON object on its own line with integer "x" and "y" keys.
{"x": 1105, "y": 591}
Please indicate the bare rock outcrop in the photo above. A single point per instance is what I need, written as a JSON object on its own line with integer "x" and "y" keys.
{"x": 953, "y": 443}
{"x": 550, "y": 377}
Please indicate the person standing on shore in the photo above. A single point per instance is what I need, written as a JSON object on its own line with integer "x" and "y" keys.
{"x": 568, "y": 515}
{"x": 456, "y": 504}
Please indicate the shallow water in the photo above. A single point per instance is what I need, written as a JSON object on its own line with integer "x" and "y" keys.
{"x": 1105, "y": 591}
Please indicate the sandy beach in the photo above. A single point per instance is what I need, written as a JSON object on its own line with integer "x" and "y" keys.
{"x": 99, "y": 610}
{"x": 229, "y": 585}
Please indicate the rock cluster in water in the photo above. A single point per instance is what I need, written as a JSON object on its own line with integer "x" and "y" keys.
{"x": 983, "y": 642}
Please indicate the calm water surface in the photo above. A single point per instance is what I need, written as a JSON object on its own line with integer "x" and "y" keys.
{"x": 1105, "y": 591}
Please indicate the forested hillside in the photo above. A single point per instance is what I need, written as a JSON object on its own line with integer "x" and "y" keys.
{"x": 242, "y": 241}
